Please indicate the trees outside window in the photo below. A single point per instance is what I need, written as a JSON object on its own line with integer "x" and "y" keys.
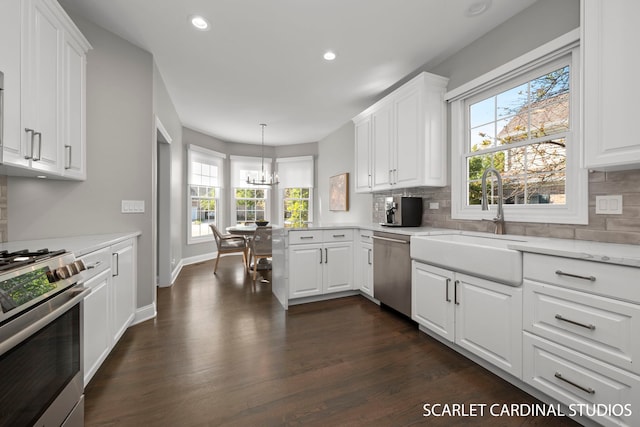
{"x": 296, "y": 206}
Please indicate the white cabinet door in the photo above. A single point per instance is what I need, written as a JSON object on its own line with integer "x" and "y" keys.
{"x": 123, "y": 286}
{"x": 610, "y": 88}
{"x": 74, "y": 131}
{"x": 10, "y": 57}
{"x": 364, "y": 272}
{"x": 338, "y": 267}
{"x": 363, "y": 156}
{"x": 432, "y": 296}
{"x": 489, "y": 321}
{"x": 42, "y": 94}
{"x": 481, "y": 316}
{"x": 409, "y": 139}
{"x": 305, "y": 270}
{"x": 96, "y": 318}
{"x": 381, "y": 134}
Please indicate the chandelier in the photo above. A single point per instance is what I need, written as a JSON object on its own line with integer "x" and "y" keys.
{"x": 272, "y": 179}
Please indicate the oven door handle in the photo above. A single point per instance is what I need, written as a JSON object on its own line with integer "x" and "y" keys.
{"x": 75, "y": 294}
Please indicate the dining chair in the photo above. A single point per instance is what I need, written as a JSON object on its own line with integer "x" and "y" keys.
{"x": 228, "y": 243}
{"x": 260, "y": 247}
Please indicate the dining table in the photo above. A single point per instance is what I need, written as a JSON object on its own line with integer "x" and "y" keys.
{"x": 247, "y": 231}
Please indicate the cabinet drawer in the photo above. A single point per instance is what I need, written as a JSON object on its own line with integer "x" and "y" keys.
{"x": 615, "y": 281}
{"x": 340, "y": 235}
{"x": 301, "y": 237}
{"x": 98, "y": 260}
{"x": 601, "y": 327}
{"x": 575, "y": 379}
{"x": 365, "y": 236}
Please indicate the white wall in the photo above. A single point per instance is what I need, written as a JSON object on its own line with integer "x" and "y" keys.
{"x": 336, "y": 155}
{"x": 120, "y": 140}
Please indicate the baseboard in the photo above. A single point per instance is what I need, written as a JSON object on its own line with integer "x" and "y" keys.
{"x": 145, "y": 313}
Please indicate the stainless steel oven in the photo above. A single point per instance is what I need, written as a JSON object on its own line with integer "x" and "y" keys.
{"x": 41, "y": 340}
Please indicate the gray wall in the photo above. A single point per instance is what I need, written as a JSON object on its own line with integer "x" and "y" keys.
{"x": 336, "y": 155}
{"x": 120, "y": 139}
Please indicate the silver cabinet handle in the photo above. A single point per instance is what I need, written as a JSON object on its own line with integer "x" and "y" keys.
{"x": 369, "y": 256}
{"x": 395, "y": 174}
{"x": 326, "y": 256}
{"x": 390, "y": 176}
{"x": 455, "y": 292}
{"x": 369, "y": 181}
{"x": 365, "y": 236}
{"x": 68, "y": 148}
{"x": 446, "y": 291}
{"x": 589, "y": 390}
{"x": 39, "y": 135}
{"x": 320, "y": 249}
{"x": 306, "y": 237}
{"x": 338, "y": 235}
{"x": 573, "y": 322}
{"x": 575, "y": 276}
{"x": 117, "y": 264}
{"x": 27, "y": 130}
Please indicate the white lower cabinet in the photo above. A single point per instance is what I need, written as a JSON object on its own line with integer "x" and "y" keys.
{"x": 97, "y": 336}
{"x": 482, "y": 316}
{"x": 320, "y": 262}
{"x": 586, "y": 385}
{"x": 581, "y": 327}
{"x": 364, "y": 263}
{"x": 123, "y": 285}
{"x": 110, "y": 307}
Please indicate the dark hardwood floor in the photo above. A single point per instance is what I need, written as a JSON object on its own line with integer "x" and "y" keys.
{"x": 223, "y": 352}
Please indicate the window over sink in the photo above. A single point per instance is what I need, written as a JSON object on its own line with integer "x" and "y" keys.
{"x": 524, "y": 121}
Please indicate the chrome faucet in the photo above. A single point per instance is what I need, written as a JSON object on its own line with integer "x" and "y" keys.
{"x": 499, "y": 219}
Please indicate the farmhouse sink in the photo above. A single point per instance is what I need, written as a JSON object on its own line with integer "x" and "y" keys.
{"x": 483, "y": 256}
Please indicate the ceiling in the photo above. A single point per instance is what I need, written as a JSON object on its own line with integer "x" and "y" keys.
{"x": 262, "y": 60}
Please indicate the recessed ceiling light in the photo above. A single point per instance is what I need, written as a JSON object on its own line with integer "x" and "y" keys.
{"x": 329, "y": 56}
{"x": 478, "y": 8}
{"x": 199, "y": 22}
{"x": 41, "y": 176}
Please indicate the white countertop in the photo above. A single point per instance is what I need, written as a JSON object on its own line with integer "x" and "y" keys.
{"x": 612, "y": 253}
{"x": 79, "y": 245}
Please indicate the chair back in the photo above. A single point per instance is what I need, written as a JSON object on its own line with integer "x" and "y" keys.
{"x": 261, "y": 242}
{"x": 216, "y": 235}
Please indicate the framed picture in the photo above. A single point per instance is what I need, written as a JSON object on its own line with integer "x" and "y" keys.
{"x": 339, "y": 192}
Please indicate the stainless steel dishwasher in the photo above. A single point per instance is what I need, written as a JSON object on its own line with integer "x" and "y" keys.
{"x": 392, "y": 271}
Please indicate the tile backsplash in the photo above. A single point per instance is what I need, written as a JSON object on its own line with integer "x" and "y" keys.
{"x": 3, "y": 209}
{"x": 623, "y": 228}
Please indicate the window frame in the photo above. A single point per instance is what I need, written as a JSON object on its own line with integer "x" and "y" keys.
{"x": 214, "y": 158}
{"x": 550, "y": 56}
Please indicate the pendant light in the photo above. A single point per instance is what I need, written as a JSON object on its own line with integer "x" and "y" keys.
{"x": 264, "y": 180}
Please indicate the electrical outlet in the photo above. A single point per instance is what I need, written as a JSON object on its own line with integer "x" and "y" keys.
{"x": 609, "y": 205}
{"x": 434, "y": 205}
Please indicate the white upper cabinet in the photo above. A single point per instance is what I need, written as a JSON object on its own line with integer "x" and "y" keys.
{"x": 401, "y": 140}
{"x": 45, "y": 111}
{"x": 610, "y": 92}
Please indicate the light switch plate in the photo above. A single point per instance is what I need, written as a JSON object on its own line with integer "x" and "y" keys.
{"x": 609, "y": 205}
{"x": 132, "y": 206}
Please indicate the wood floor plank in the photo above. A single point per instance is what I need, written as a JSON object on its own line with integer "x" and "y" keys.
{"x": 223, "y": 352}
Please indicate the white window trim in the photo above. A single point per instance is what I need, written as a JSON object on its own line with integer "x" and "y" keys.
{"x": 220, "y": 212}
{"x": 576, "y": 210}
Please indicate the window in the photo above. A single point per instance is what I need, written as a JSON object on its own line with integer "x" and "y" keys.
{"x": 296, "y": 194}
{"x": 205, "y": 190}
{"x": 251, "y": 201}
{"x": 296, "y": 204}
{"x": 251, "y": 204}
{"x": 524, "y": 125}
